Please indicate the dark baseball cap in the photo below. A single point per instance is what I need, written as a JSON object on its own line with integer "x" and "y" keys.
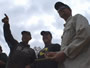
{"x": 46, "y": 33}
{"x": 61, "y": 5}
{"x": 25, "y": 32}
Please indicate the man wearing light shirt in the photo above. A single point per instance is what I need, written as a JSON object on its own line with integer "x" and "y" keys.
{"x": 75, "y": 45}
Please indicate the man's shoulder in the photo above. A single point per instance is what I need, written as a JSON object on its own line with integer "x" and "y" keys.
{"x": 78, "y": 15}
{"x": 31, "y": 48}
{"x": 56, "y": 44}
{"x": 4, "y": 55}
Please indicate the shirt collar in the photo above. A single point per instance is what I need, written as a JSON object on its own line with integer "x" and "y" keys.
{"x": 68, "y": 20}
{"x": 24, "y": 44}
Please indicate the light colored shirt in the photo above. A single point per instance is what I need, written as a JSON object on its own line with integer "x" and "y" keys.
{"x": 76, "y": 42}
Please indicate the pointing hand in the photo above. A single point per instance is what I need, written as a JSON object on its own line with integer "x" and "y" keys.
{"x": 5, "y": 19}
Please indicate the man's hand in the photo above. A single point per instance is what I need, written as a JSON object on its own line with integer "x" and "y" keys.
{"x": 59, "y": 57}
{"x": 27, "y": 66}
{"x": 50, "y": 54}
{"x": 5, "y": 19}
{"x": 2, "y": 63}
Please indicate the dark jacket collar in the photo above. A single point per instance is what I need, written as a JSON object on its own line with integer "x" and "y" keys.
{"x": 24, "y": 44}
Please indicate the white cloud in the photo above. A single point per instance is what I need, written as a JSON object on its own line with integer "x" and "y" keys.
{"x": 32, "y": 21}
{"x": 20, "y": 2}
{"x": 38, "y": 15}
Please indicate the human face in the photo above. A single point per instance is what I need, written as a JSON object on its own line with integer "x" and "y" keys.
{"x": 26, "y": 37}
{"x": 64, "y": 13}
{"x": 47, "y": 38}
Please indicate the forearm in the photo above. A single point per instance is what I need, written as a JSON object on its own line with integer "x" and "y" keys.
{"x": 8, "y": 36}
{"x": 78, "y": 44}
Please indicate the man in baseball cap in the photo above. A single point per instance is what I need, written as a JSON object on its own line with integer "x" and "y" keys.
{"x": 21, "y": 52}
{"x": 49, "y": 47}
{"x": 75, "y": 40}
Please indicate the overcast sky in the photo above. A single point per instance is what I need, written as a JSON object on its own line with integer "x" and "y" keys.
{"x": 35, "y": 16}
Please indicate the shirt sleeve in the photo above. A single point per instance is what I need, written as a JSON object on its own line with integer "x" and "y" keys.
{"x": 81, "y": 38}
{"x": 8, "y": 36}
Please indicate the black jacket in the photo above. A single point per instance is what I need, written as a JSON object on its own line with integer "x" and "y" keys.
{"x": 49, "y": 48}
{"x": 41, "y": 62}
{"x": 4, "y": 58}
{"x": 20, "y": 53}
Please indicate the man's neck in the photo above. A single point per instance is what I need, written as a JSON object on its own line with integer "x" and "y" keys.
{"x": 25, "y": 42}
{"x": 46, "y": 44}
